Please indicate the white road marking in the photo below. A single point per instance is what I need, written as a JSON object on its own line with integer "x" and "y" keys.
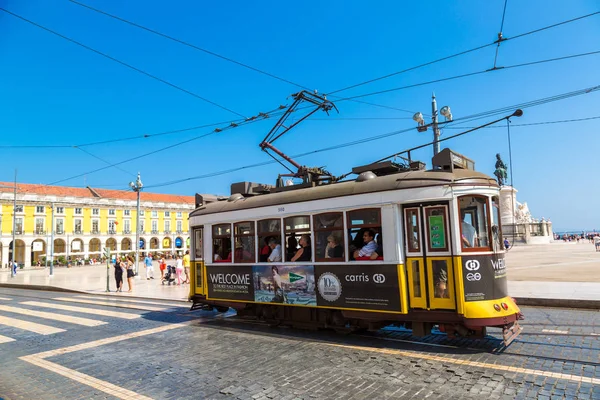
{"x": 120, "y": 299}
{"x": 5, "y": 339}
{"x": 554, "y": 331}
{"x": 112, "y": 304}
{"x": 5, "y": 298}
{"x": 29, "y": 326}
{"x": 94, "y": 311}
{"x": 54, "y": 316}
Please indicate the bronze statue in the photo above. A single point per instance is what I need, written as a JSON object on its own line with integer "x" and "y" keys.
{"x": 500, "y": 171}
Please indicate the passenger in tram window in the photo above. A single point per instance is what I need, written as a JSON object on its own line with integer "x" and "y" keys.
{"x": 216, "y": 252}
{"x": 292, "y": 246}
{"x": 379, "y": 252}
{"x": 275, "y": 247}
{"x": 305, "y": 252}
{"x": 265, "y": 251}
{"x": 469, "y": 234}
{"x": 441, "y": 281}
{"x": 370, "y": 245}
{"x": 334, "y": 248}
{"x": 240, "y": 253}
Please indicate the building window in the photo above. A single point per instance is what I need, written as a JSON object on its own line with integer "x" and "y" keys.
{"x": 60, "y": 210}
{"x": 39, "y": 226}
{"x": 78, "y": 211}
{"x": 167, "y": 214}
{"x": 167, "y": 226}
{"x": 154, "y": 226}
{"x": 40, "y": 209}
{"x": 112, "y": 211}
{"x": 141, "y": 213}
{"x": 141, "y": 225}
{"x": 19, "y": 208}
{"x": 127, "y": 213}
{"x": 77, "y": 225}
{"x": 127, "y": 226}
{"x": 112, "y": 227}
{"x": 179, "y": 214}
{"x": 18, "y": 225}
{"x": 95, "y": 211}
{"x": 95, "y": 226}
{"x": 154, "y": 214}
{"x": 60, "y": 226}
{"x": 179, "y": 225}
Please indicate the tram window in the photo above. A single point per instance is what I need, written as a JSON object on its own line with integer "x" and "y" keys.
{"x": 244, "y": 242}
{"x": 437, "y": 232}
{"x": 222, "y": 243}
{"x": 416, "y": 273}
{"x": 329, "y": 236}
{"x": 413, "y": 234}
{"x": 474, "y": 216}
{"x": 198, "y": 244}
{"x": 496, "y": 227}
{"x": 297, "y": 229}
{"x": 269, "y": 229}
{"x": 440, "y": 279}
{"x": 364, "y": 234}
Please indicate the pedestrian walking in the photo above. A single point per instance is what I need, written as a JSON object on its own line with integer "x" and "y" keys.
{"x": 118, "y": 274}
{"x": 130, "y": 273}
{"x": 179, "y": 269}
{"x": 149, "y": 267}
{"x": 186, "y": 266}
{"x": 162, "y": 266}
{"x": 14, "y": 267}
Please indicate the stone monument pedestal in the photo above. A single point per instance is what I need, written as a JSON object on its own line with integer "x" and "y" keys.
{"x": 517, "y": 224}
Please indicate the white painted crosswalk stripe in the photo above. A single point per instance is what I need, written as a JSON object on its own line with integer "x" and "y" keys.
{"x": 115, "y": 303}
{"x": 4, "y": 339}
{"x": 5, "y": 298}
{"x": 94, "y": 311}
{"x": 54, "y": 316}
{"x": 120, "y": 299}
{"x": 29, "y": 326}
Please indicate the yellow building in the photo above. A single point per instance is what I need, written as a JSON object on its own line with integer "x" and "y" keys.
{"x": 81, "y": 222}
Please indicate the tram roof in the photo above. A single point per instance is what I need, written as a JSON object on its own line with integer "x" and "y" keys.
{"x": 398, "y": 181}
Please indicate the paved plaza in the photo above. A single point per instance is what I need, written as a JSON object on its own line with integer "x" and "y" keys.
{"x": 79, "y": 346}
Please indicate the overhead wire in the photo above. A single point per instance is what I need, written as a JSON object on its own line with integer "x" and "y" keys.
{"x": 463, "y": 53}
{"x": 500, "y": 37}
{"x": 122, "y": 63}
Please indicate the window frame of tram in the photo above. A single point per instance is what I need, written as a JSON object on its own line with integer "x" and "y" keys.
{"x": 478, "y": 211}
{"x": 496, "y": 224}
{"x": 439, "y": 259}
{"x": 221, "y": 242}
{"x": 359, "y": 228}
{"x": 414, "y": 256}
{"x": 266, "y": 229}
{"x": 296, "y": 233}
{"x": 329, "y": 235}
{"x": 198, "y": 252}
{"x": 245, "y": 242}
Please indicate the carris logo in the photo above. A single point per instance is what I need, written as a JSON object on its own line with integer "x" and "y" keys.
{"x": 378, "y": 278}
{"x": 473, "y": 276}
{"x": 472, "y": 265}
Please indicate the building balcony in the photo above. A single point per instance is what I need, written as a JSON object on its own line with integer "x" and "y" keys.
{"x": 77, "y": 232}
{"x": 112, "y": 232}
{"x": 179, "y": 232}
{"x": 17, "y": 232}
{"x": 126, "y": 231}
{"x": 40, "y": 232}
{"x": 154, "y": 232}
{"x": 95, "y": 232}
{"x": 167, "y": 232}
{"x": 59, "y": 232}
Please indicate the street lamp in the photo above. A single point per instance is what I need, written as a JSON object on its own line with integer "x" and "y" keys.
{"x": 137, "y": 187}
{"x": 418, "y": 118}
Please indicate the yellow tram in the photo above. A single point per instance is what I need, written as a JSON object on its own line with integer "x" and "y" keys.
{"x": 434, "y": 254}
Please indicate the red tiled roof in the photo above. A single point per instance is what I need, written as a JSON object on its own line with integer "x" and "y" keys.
{"x": 63, "y": 191}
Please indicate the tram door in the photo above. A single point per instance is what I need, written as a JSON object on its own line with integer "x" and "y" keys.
{"x": 429, "y": 257}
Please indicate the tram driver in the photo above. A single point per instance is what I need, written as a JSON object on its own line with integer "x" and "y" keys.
{"x": 370, "y": 245}
{"x": 468, "y": 234}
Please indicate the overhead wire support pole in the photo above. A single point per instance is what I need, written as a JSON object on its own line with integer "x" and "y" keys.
{"x": 12, "y": 270}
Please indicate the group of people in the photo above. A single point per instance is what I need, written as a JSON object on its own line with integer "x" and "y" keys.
{"x": 124, "y": 265}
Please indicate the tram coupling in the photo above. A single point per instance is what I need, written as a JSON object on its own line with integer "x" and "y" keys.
{"x": 510, "y": 333}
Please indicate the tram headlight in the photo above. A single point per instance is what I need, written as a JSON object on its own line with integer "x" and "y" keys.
{"x": 504, "y": 306}
{"x": 497, "y": 307}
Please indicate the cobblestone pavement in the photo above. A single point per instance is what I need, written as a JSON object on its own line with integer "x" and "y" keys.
{"x": 133, "y": 348}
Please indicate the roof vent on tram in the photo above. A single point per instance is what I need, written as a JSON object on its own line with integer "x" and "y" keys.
{"x": 235, "y": 197}
{"x": 366, "y": 176}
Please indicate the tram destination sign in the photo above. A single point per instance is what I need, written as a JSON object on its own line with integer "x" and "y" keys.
{"x": 365, "y": 287}
{"x": 484, "y": 277}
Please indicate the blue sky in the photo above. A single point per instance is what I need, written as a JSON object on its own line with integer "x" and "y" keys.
{"x": 53, "y": 92}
